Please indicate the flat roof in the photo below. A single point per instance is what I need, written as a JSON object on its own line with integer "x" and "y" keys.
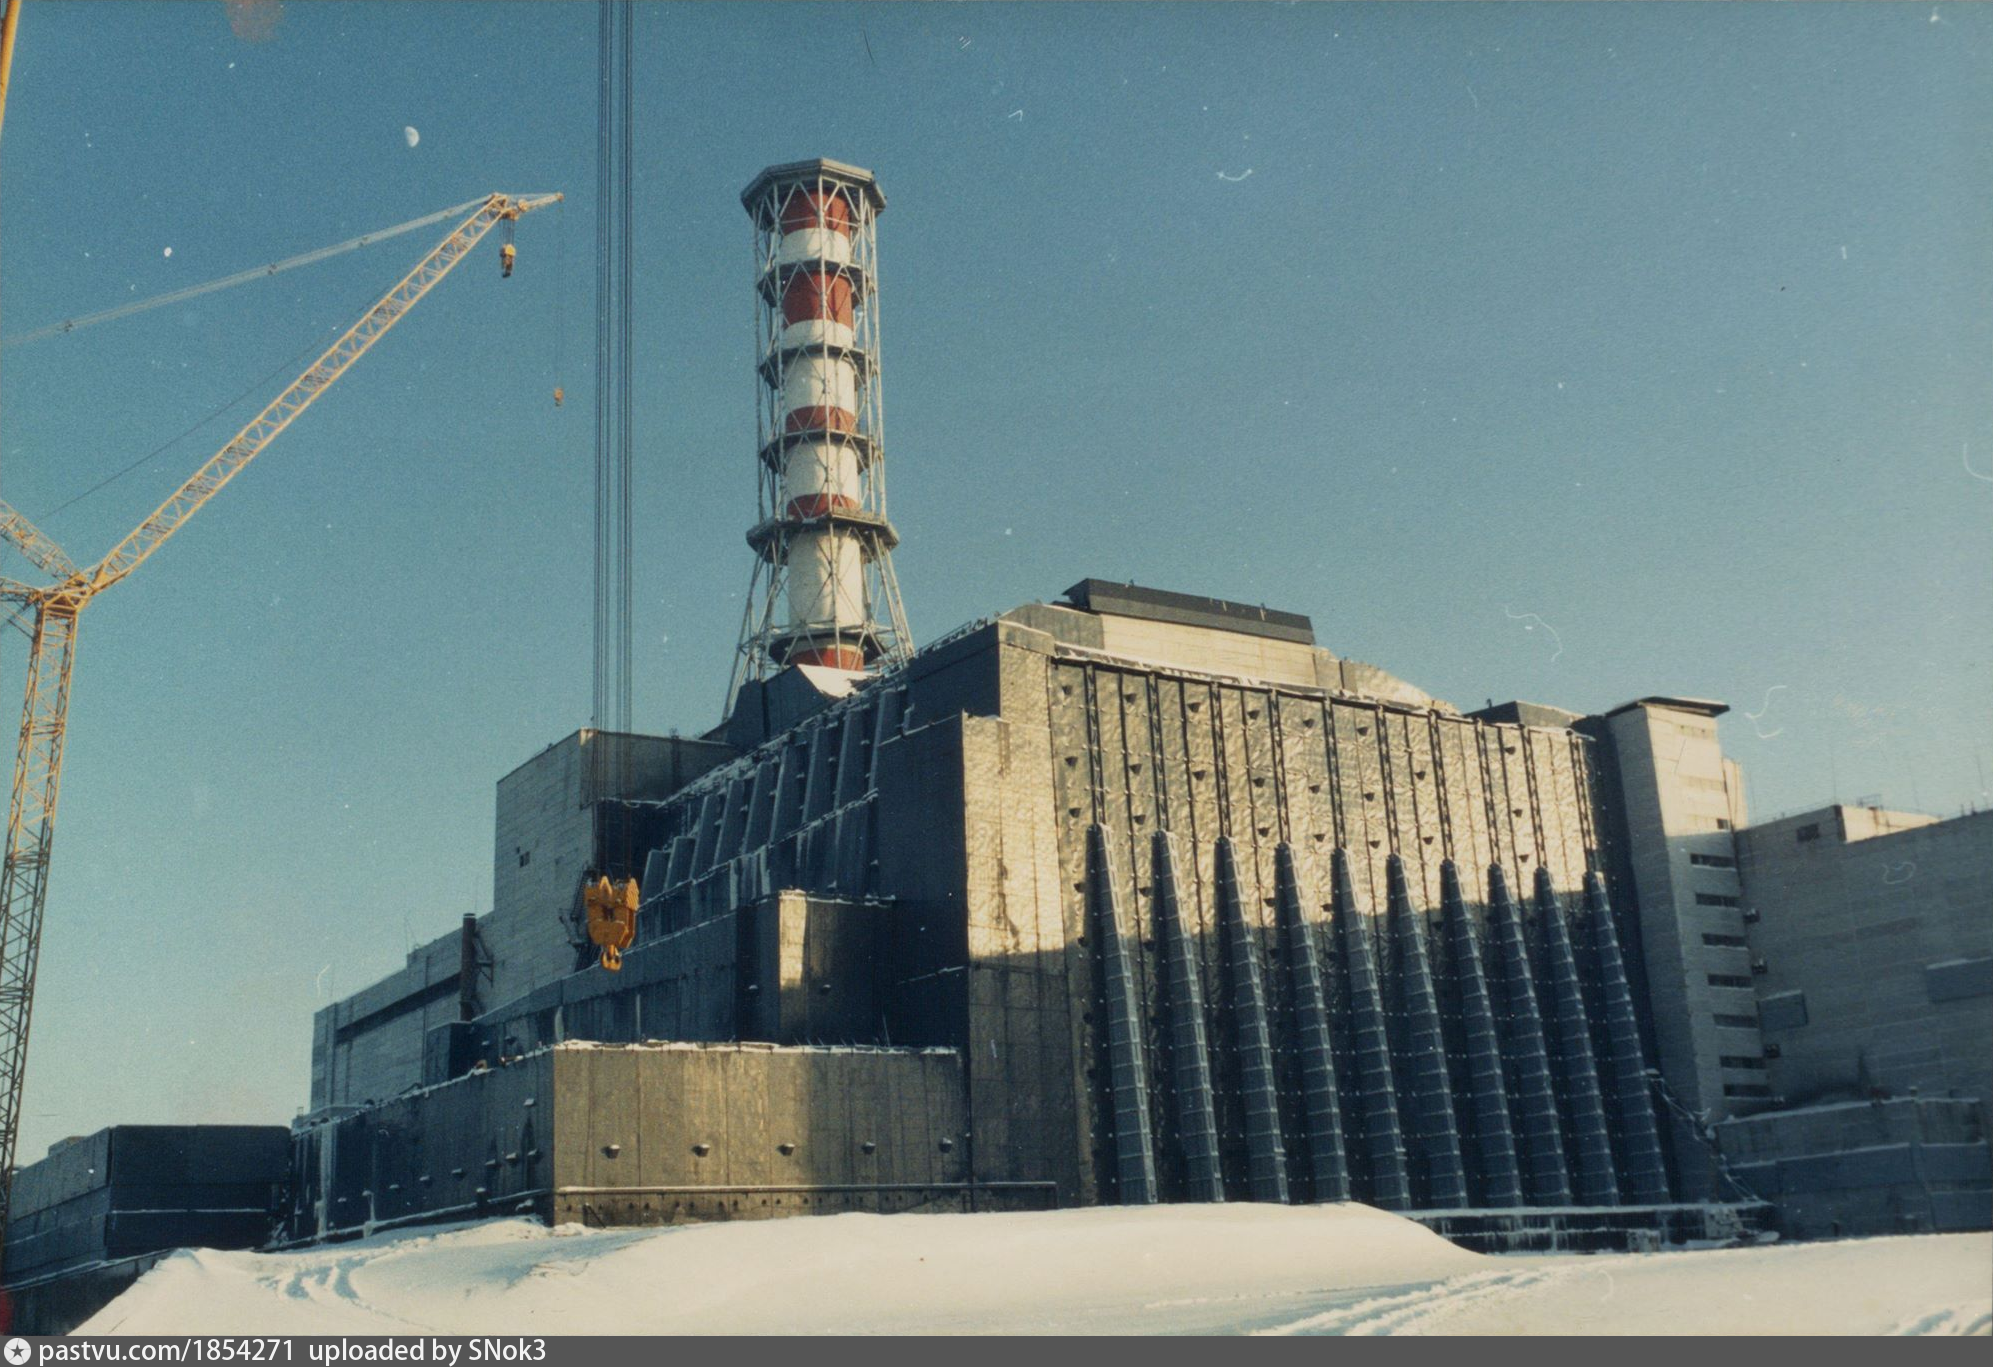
{"x": 1707, "y": 707}
{"x": 1186, "y": 609}
{"x": 856, "y": 177}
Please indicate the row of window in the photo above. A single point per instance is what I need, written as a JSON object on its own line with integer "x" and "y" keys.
{"x": 1746, "y": 1089}
{"x": 1712, "y": 861}
{"x": 1737, "y": 1022}
{"x": 1741, "y": 1061}
{"x": 1728, "y": 980}
{"x": 1717, "y": 899}
{"x": 1725, "y": 941}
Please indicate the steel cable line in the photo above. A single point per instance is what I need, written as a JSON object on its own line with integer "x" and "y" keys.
{"x": 241, "y": 277}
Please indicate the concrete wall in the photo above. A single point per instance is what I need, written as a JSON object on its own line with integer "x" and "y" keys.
{"x": 651, "y": 1134}
{"x": 586, "y": 801}
{"x": 1867, "y": 1167}
{"x": 1876, "y": 935}
{"x": 1137, "y": 749}
{"x": 1681, "y": 801}
{"x": 368, "y": 1047}
{"x": 549, "y": 830}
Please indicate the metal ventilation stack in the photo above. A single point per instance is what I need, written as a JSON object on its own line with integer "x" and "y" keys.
{"x": 823, "y": 592}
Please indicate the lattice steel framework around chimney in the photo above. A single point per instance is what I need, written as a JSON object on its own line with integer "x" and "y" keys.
{"x": 822, "y": 589}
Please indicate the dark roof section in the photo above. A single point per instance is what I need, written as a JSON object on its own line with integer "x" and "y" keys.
{"x": 1159, "y": 605}
{"x": 1519, "y": 713}
{"x": 1707, "y": 707}
{"x": 837, "y": 172}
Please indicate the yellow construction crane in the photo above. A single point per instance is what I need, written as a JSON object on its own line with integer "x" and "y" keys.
{"x": 48, "y": 614}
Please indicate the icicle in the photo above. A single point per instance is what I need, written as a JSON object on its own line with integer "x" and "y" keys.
{"x": 1646, "y": 1175}
{"x": 1190, "y": 1057}
{"x": 1267, "y": 1170}
{"x": 1384, "y": 1143}
{"x": 1576, "y": 1068}
{"x": 1135, "y": 1158}
{"x": 1547, "y": 1182}
{"x": 1327, "y": 1169}
{"x": 1421, "y": 1053}
{"x": 1496, "y": 1173}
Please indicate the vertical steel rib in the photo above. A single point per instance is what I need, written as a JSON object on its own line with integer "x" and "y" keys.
{"x": 1498, "y": 1178}
{"x": 1189, "y": 1047}
{"x": 1266, "y": 1157}
{"x": 1577, "y": 1070}
{"x": 1383, "y": 1140}
{"x": 1435, "y": 1140}
{"x": 1328, "y": 1168}
{"x": 1644, "y": 1174}
{"x": 1134, "y": 1149}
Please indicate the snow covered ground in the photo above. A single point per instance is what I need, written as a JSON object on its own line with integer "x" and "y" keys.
{"x": 1169, "y": 1269}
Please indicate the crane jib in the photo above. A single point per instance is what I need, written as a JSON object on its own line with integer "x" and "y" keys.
{"x": 44, "y": 715}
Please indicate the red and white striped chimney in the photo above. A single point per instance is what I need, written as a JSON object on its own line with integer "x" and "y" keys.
{"x": 823, "y": 591}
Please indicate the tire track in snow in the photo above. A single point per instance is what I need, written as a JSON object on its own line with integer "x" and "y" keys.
{"x": 1951, "y": 1320}
{"x": 331, "y": 1285}
{"x": 1412, "y": 1311}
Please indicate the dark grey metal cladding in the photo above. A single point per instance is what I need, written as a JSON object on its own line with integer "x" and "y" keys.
{"x": 1189, "y": 1047}
{"x": 1328, "y": 1169}
{"x": 851, "y": 858}
{"x": 1421, "y": 1052}
{"x": 1252, "y": 1041}
{"x": 820, "y": 770}
{"x": 888, "y": 714}
{"x": 1131, "y": 600}
{"x": 1546, "y": 1180}
{"x": 1577, "y": 1071}
{"x": 712, "y": 814}
{"x": 1385, "y": 1182}
{"x": 679, "y": 867}
{"x": 761, "y": 796}
{"x": 786, "y": 815}
{"x": 1497, "y": 1177}
{"x": 733, "y": 818}
{"x": 1644, "y": 1173}
{"x": 854, "y": 756}
{"x": 1134, "y": 1147}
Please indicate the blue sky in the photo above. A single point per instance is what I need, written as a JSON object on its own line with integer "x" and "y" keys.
{"x": 1567, "y": 352}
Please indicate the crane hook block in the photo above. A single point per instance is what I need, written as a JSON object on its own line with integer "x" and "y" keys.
{"x": 507, "y": 254}
{"x": 559, "y": 395}
{"x": 612, "y": 917}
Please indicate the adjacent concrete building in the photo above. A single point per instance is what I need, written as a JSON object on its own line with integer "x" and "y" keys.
{"x": 1871, "y": 933}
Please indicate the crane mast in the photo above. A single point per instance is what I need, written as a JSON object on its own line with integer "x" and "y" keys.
{"x": 56, "y": 608}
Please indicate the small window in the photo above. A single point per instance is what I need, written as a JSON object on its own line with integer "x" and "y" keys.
{"x": 1712, "y": 861}
{"x": 1717, "y": 899}
{"x": 1737, "y": 1022}
{"x": 1741, "y": 1061}
{"x": 1728, "y": 980}
{"x": 1722, "y": 823}
{"x": 1810, "y": 831}
{"x": 525, "y": 858}
{"x": 1746, "y": 1089}
{"x": 1725, "y": 941}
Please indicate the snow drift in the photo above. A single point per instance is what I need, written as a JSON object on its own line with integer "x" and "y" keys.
{"x": 1175, "y": 1269}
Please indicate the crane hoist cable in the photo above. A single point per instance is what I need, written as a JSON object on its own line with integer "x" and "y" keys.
{"x": 351, "y": 244}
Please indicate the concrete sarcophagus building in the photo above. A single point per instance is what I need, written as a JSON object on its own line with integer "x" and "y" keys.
{"x": 1203, "y": 911}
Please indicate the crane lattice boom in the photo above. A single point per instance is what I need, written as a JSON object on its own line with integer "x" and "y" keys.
{"x": 56, "y": 608}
